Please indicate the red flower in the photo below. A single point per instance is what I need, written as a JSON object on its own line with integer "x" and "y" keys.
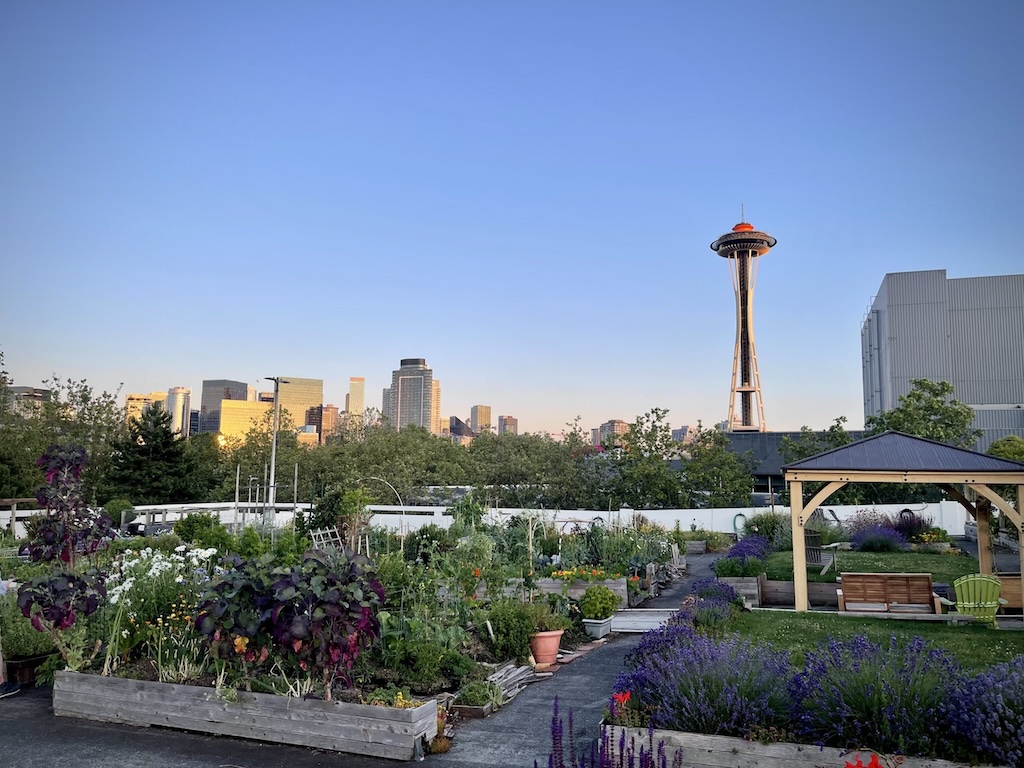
{"x": 873, "y": 764}
{"x": 477, "y": 573}
{"x": 622, "y": 698}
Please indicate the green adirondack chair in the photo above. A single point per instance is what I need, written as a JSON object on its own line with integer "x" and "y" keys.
{"x": 977, "y": 594}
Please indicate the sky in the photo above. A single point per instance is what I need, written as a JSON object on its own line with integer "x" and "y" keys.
{"x": 522, "y": 193}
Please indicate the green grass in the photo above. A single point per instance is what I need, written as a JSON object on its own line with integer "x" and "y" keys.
{"x": 943, "y": 568}
{"x": 976, "y": 647}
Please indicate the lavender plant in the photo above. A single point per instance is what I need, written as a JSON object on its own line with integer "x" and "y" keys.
{"x": 685, "y": 681}
{"x": 607, "y": 752}
{"x": 989, "y": 712}
{"x": 879, "y": 538}
{"x": 891, "y": 698}
{"x": 712, "y": 589}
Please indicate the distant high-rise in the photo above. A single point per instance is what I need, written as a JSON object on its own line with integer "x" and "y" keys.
{"x": 610, "y": 433}
{"x": 355, "y": 399}
{"x": 237, "y": 417}
{"x": 324, "y": 418}
{"x": 215, "y": 391}
{"x": 297, "y": 396}
{"x": 193, "y": 423}
{"x": 412, "y": 397}
{"x": 508, "y": 425}
{"x": 968, "y": 331}
{"x": 136, "y": 404}
{"x": 26, "y": 400}
{"x": 437, "y": 421}
{"x": 480, "y": 418}
{"x": 179, "y": 405}
{"x": 741, "y": 248}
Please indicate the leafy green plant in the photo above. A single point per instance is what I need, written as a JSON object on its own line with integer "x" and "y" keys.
{"x": 732, "y": 567}
{"x": 120, "y": 511}
{"x": 480, "y": 693}
{"x": 598, "y": 602}
{"x": 512, "y": 624}
{"x": 205, "y": 530}
{"x": 20, "y": 638}
{"x": 544, "y": 618}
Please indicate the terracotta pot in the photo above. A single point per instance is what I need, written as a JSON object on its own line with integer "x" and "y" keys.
{"x": 544, "y": 646}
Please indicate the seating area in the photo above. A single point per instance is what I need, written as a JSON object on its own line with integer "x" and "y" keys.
{"x": 977, "y": 595}
{"x": 888, "y": 593}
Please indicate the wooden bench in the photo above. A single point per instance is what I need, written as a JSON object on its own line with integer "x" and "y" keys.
{"x": 1011, "y": 590}
{"x": 815, "y": 553}
{"x": 888, "y": 593}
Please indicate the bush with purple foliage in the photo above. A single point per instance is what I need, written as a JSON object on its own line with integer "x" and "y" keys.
{"x": 989, "y": 712}
{"x": 710, "y": 588}
{"x": 894, "y": 698}
{"x": 878, "y": 538}
{"x": 682, "y": 680}
{"x": 911, "y": 525}
{"x": 745, "y": 558}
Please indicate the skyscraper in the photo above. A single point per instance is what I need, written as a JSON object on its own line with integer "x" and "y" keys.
{"x": 136, "y": 404}
{"x": 967, "y": 331}
{"x": 438, "y": 422}
{"x": 236, "y": 417}
{"x": 355, "y": 399}
{"x": 179, "y": 405}
{"x": 480, "y": 418}
{"x": 297, "y": 396}
{"x": 508, "y": 425}
{"x": 215, "y": 391}
{"x": 412, "y": 395}
{"x": 741, "y": 247}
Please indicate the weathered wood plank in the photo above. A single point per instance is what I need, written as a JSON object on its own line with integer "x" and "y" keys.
{"x": 339, "y": 726}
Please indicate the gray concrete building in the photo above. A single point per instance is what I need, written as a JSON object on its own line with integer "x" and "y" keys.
{"x": 967, "y": 331}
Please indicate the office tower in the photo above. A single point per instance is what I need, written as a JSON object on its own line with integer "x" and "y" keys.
{"x": 412, "y": 398}
{"x": 683, "y": 435}
{"x": 296, "y": 396}
{"x": 741, "y": 248}
{"x": 354, "y": 400}
{"x": 325, "y": 418}
{"x": 967, "y": 331}
{"x": 385, "y": 407}
{"x": 610, "y": 433}
{"x": 508, "y": 425}
{"x": 236, "y": 417}
{"x": 439, "y": 422}
{"x": 480, "y": 418}
{"x": 193, "y": 423}
{"x": 179, "y": 405}
{"x": 26, "y": 401}
{"x": 216, "y": 391}
{"x": 136, "y": 404}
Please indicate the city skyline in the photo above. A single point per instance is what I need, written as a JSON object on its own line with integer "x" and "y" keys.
{"x": 222, "y": 156}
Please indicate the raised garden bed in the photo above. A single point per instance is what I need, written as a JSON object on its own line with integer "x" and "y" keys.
{"x": 399, "y": 734}
{"x": 471, "y": 712}
{"x": 701, "y": 750}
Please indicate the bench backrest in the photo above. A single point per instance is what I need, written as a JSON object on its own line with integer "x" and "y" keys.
{"x": 902, "y": 588}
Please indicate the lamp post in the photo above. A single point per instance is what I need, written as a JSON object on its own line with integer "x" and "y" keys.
{"x": 401, "y": 505}
{"x": 272, "y": 489}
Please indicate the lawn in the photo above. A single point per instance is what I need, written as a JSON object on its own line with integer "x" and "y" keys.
{"x": 976, "y": 647}
{"x": 943, "y": 568}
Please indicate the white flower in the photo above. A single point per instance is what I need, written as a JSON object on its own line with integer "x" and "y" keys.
{"x": 180, "y": 548}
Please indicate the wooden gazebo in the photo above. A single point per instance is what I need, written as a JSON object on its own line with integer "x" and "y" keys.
{"x": 893, "y": 457}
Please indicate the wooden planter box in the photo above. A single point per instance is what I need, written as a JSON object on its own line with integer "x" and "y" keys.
{"x": 23, "y": 671}
{"x": 696, "y": 547}
{"x": 747, "y": 587}
{"x": 704, "y": 751}
{"x": 471, "y": 711}
{"x": 576, "y": 589}
{"x": 783, "y": 593}
{"x": 399, "y": 734}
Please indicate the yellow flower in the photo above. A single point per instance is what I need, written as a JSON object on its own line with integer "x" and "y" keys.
{"x": 240, "y": 644}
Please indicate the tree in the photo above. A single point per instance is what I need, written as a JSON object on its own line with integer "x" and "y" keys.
{"x": 645, "y": 479}
{"x": 713, "y": 475}
{"x": 150, "y": 464}
{"x": 1010, "y": 447}
{"x": 929, "y": 410}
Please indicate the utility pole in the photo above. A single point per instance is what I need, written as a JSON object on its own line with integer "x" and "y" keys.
{"x": 272, "y": 489}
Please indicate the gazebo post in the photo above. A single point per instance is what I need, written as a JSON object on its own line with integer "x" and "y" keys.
{"x": 984, "y": 520}
{"x": 1020, "y": 534}
{"x": 796, "y": 504}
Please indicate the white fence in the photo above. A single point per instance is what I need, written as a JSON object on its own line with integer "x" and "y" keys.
{"x": 948, "y": 515}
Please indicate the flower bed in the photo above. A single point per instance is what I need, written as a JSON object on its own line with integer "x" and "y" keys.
{"x": 389, "y": 732}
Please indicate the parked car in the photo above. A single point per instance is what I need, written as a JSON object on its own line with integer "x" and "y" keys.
{"x": 140, "y": 528}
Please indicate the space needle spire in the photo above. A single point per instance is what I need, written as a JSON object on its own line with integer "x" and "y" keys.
{"x": 741, "y": 247}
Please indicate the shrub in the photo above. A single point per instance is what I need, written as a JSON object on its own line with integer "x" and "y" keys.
{"x": 879, "y": 539}
{"x": 731, "y": 567}
{"x": 20, "y": 639}
{"x": 480, "y": 693}
{"x": 751, "y": 546}
{"x": 911, "y": 525}
{"x": 598, "y": 602}
{"x": 688, "y": 682}
{"x": 120, "y": 511}
{"x": 866, "y": 518}
{"x": 990, "y": 712}
{"x": 893, "y": 698}
{"x": 426, "y": 542}
{"x": 713, "y": 589}
{"x": 203, "y": 529}
{"x": 512, "y": 625}
{"x": 769, "y": 525}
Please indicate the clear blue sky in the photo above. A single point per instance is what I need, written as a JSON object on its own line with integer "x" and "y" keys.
{"x": 521, "y": 192}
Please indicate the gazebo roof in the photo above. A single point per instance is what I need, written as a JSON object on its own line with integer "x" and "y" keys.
{"x": 898, "y": 452}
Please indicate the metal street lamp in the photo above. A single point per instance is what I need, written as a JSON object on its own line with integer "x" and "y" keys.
{"x": 401, "y": 505}
{"x": 272, "y": 489}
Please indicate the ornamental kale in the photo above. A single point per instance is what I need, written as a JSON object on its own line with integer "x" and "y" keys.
{"x": 685, "y": 681}
{"x": 990, "y": 713}
{"x": 891, "y": 698}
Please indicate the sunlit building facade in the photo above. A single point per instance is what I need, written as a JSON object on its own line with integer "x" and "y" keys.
{"x": 480, "y": 418}
{"x": 296, "y": 396}
{"x": 508, "y": 425}
{"x": 215, "y": 392}
{"x": 179, "y": 405}
{"x": 237, "y": 417}
{"x": 136, "y": 404}
{"x": 414, "y": 397}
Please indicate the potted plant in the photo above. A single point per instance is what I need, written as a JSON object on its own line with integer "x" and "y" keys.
{"x": 548, "y": 627}
{"x": 21, "y": 646}
{"x": 597, "y": 606}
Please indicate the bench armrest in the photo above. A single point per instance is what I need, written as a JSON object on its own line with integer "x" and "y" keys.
{"x": 944, "y": 601}
{"x": 1002, "y": 601}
